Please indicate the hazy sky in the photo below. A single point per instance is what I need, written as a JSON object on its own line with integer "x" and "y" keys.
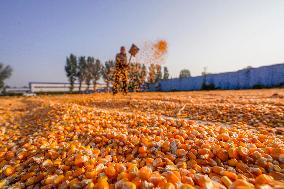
{"x": 224, "y": 35}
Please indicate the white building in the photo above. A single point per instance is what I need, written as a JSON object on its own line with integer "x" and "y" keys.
{"x": 16, "y": 90}
{"x": 37, "y": 87}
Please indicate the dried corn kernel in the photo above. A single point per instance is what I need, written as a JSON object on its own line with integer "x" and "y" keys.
{"x": 101, "y": 141}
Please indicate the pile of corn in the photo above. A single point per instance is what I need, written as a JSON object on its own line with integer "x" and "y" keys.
{"x": 254, "y": 107}
{"x": 72, "y": 142}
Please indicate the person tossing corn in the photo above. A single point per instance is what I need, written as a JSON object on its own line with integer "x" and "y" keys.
{"x": 121, "y": 69}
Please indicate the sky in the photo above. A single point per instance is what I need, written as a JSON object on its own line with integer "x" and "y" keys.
{"x": 222, "y": 35}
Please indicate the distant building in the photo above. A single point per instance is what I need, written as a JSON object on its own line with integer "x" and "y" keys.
{"x": 38, "y": 87}
{"x": 17, "y": 90}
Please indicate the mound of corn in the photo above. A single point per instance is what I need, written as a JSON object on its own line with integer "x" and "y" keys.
{"x": 145, "y": 140}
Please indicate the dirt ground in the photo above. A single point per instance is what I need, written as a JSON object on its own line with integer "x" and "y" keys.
{"x": 223, "y": 139}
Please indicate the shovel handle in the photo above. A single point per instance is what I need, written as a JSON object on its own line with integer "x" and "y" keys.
{"x": 130, "y": 59}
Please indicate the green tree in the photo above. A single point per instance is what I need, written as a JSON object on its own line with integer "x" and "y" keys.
{"x": 135, "y": 74}
{"x": 248, "y": 67}
{"x": 81, "y": 72}
{"x": 96, "y": 72}
{"x": 107, "y": 72}
{"x": 131, "y": 76}
{"x": 88, "y": 72}
{"x": 152, "y": 73}
{"x": 166, "y": 73}
{"x": 71, "y": 70}
{"x": 184, "y": 73}
{"x": 5, "y": 73}
{"x": 158, "y": 74}
{"x": 143, "y": 75}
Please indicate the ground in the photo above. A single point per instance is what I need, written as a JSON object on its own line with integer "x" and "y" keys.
{"x": 206, "y": 139}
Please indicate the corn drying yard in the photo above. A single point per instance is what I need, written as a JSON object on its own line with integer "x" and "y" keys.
{"x": 182, "y": 140}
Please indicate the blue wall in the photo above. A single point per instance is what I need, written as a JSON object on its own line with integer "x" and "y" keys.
{"x": 267, "y": 76}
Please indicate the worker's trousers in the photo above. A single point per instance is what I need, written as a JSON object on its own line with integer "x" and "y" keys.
{"x": 120, "y": 81}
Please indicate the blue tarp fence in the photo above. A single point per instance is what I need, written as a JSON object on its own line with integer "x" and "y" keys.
{"x": 265, "y": 76}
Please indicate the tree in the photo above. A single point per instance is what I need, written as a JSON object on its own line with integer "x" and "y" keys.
{"x": 71, "y": 70}
{"x": 152, "y": 73}
{"x": 107, "y": 72}
{"x": 166, "y": 73}
{"x": 96, "y": 72}
{"x": 136, "y": 76}
{"x": 5, "y": 73}
{"x": 143, "y": 75}
{"x": 132, "y": 77}
{"x": 204, "y": 74}
{"x": 81, "y": 72}
{"x": 88, "y": 72}
{"x": 158, "y": 74}
{"x": 184, "y": 73}
{"x": 248, "y": 67}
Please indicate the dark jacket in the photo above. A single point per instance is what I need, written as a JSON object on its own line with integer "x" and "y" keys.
{"x": 121, "y": 61}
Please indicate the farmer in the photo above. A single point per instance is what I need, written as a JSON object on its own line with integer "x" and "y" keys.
{"x": 121, "y": 72}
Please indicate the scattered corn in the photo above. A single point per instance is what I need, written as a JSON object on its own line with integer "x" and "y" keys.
{"x": 105, "y": 142}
